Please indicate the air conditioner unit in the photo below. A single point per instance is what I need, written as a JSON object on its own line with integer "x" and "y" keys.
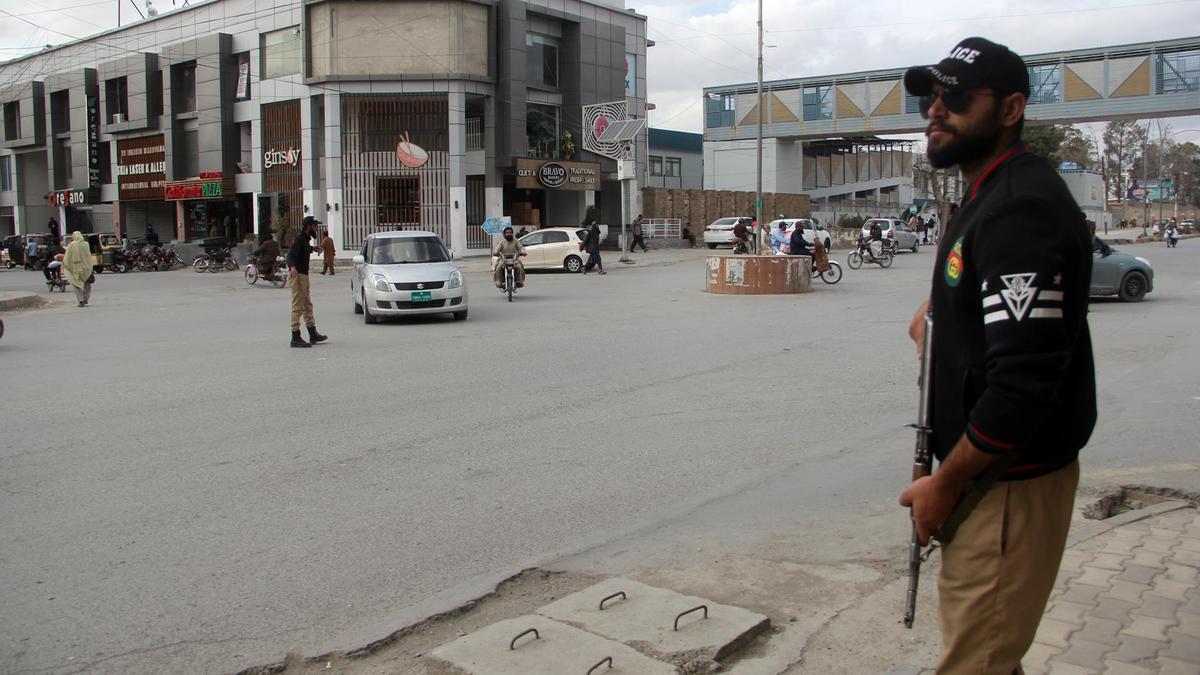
{"x": 118, "y": 118}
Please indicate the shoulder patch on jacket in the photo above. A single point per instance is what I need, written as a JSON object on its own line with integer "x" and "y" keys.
{"x": 954, "y": 264}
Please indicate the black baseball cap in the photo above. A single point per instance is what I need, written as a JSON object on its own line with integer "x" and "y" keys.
{"x": 309, "y": 220}
{"x": 974, "y": 62}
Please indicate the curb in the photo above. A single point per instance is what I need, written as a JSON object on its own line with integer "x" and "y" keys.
{"x": 11, "y": 301}
{"x": 1081, "y": 532}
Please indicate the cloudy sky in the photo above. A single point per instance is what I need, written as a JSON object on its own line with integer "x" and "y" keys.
{"x": 708, "y": 42}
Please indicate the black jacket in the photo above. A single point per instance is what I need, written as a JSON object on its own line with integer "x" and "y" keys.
{"x": 1012, "y": 362}
{"x": 298, "y": 254}
{"x": 592, "y": 243}
{"x": 797, "y": 245}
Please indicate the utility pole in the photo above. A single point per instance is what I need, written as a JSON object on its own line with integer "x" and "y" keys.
{"x": 758, "y": 216}
{"x": 1162, "y": 138}
{"x": 1145, "y": 192}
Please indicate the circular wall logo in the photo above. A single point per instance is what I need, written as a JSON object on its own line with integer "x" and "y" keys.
{"x": 552, "y": 174}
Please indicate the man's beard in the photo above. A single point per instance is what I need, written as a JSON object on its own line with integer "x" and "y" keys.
{"x": 965, "y": 147}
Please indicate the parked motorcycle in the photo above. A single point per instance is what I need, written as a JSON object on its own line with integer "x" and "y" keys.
{"x": 278, "y": 275}
{"x": 214, "y": 261}
{"x": 865, "y": 254}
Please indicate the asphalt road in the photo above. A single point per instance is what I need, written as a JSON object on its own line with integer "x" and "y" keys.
{"x": 181, "y": 492}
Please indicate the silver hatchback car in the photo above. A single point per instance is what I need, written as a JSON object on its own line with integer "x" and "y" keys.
{"x": 406, "y": 273}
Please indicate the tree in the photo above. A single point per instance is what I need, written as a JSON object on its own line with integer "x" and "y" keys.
{"x": 1123, "y": 142}
{"x": 1044, "y": 140}
{"x": 1077, "y": 148}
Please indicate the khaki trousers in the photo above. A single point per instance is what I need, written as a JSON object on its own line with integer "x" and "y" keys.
{"x": 998, "y": 573}
{"x": 302, "y": 303}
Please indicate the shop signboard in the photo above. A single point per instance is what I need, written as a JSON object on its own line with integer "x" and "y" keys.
{"x": 208, "y": 185}
{"x": 62, "y": 198}
{"x": 93, "y": 141}
{"x": 557, "y": 175}
{"x": 494, "y": 225}
{"x": 141, "y": 168}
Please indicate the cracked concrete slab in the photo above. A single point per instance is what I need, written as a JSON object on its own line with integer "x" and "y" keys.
{"x": 556, "y": 649}
{"x": 644, "y": 617}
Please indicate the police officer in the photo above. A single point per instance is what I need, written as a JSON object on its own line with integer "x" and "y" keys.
{"x": 1013, "y": 379}
{"x": 302, "y": 307}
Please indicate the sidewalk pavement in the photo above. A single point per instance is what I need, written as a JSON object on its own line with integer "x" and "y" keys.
{"x": 1127, "y": 599}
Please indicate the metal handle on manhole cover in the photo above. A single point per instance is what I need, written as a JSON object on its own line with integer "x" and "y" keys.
{"x": 536, "y": 636}
{"x": 694, "y": 609}
{"x": 607, "y": 659}
{"x": 618, "y": 594}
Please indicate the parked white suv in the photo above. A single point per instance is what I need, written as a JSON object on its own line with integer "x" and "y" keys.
{"x": 720, "y": 231}
{"x": 897, "y": 231}
{"x": 812, "y": 230}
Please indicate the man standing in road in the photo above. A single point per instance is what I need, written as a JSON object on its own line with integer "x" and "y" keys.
{"x": 329, "y": 253}
{"x": 297, "y": 260}
{"x": 638, "y": 239}
{"x": 1013, "y": 380}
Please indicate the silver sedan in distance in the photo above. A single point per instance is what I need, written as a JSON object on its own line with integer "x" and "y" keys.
{"x": 404, "y": 274}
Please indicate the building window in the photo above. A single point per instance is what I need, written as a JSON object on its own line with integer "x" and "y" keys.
{"x": 104, "y": 155}
{"x": 187, "y": 153}
{"x": 384, "y": 121}
{"x": 719, "y": 110}
{"x": 673, "y": 167}
{"x": 116, "y": 98}
{"x": 60, "y": 112}
{"x": 281, "y": 53}
{"x": 1179, "y": 72}
{"x": 183, "y": 88}
{"x": 62, "y": 163}
{"x": 399, "y": 200}
{"x": 818, "y": 103}
{"x": 912, "y": 105}
{"x": 6, "y": 174}
{"x": 541, "y": 59}
{"x": 656, "y": 166}
{"x": 241, "y": 85}
{"x": 541, "y": 130}
{"x": 1045, "y": 82}
{"x": 12, "y": 120}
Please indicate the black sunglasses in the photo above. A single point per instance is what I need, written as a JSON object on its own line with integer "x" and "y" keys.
{"x": 956, "y": 100}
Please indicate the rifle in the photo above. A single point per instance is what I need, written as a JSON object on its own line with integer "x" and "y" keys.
{"x": 922, "y": 464}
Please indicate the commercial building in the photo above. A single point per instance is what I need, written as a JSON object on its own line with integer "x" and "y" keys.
{"x": 230, "y": 117}
{"x": 676, "y": 160}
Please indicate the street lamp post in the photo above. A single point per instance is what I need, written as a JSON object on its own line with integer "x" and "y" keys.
{"x": 758, "y": 186}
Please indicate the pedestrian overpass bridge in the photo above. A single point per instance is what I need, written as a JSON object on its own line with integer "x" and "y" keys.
{"x": 1136, "y": 81}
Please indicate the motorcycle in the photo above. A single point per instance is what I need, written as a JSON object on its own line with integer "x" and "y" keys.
{"x": 864, "y": 254}
{"x": 1172, "y": 242}
{"x": 510, "y": 275}
{"x": 831, "y": 275}
{"x": 214, "y": 261}
{"x": 740, "y": 246}
{"x": 167, "y": 258}
{"x": 278, "y": 275}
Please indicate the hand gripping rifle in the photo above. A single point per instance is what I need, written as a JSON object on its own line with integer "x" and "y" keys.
{"x": 922, "y": 464}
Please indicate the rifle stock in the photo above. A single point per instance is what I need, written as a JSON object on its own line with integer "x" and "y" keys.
{"x": 922, "y": 464}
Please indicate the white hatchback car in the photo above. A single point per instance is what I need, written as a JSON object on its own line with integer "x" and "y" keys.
{"x": 553, "y": 248}
{"x": 406, "y": 273}
{"x": 897, "y": 231}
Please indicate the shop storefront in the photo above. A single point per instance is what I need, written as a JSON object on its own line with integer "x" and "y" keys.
{"x": 551, "y": 193}
{"x": 141, "y": 175}
{"x": 395, "y": 165}
{"x": 208, "y": 207}
{"x": 81, "y": 210}
{"x": 281, "y": 209}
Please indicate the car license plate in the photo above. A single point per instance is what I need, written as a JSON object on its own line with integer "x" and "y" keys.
{"x": 422, "y": 296}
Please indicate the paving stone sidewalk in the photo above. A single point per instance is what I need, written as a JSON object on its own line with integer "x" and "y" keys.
{"x": 1127, "y": 599}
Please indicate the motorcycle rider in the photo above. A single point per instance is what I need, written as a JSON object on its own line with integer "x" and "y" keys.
{"x": 741, "y": 236}
{"x": 779, "y": 237}
{"x": 508, "y": 246}
{"x": 797, "y": 245}
{"x": 1172, "y": 234}
{"x": 266, "y": 253}
{"x": 876, "y": 236}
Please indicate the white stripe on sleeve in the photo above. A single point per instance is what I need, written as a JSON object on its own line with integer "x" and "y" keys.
{"x": 991, "y": 300}
{"x": 1046, "y": 313}
{"x": 1051, "y": 296}
{"x": 995, "y": 316}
